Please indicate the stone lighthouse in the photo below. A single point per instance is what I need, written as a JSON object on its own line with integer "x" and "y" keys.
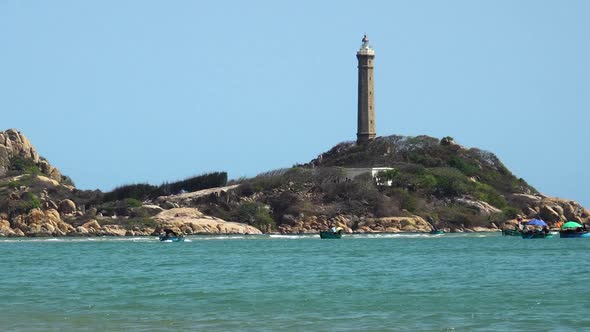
{"x": 366, "y": 98}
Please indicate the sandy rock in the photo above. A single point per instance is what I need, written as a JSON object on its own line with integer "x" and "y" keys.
{"x": 41, "y": 223}
{"x": 19, "y": 145}
{"x": 549, "y": 214}
{"x": 50, "y": 205}
{"x": 482, "y": 207}
{"x": 405, "y": 224}
{"x": 52, "y": 172}
{"x": 18, "y": 233}
{"x": 67, "y": 207}
{"x": 5, "y": 229}
{"x": 148, "y": 210}
{"x": 185, "y": 218}
{"x": 113, "y": 230}
{"x": 81, "y": 230}
{"x": 169, "y": 205}
{"x": 92, "y": 224}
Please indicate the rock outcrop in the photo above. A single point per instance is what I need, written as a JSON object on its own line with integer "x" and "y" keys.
{"x": 192, "y": 221}
{"x": 15, "y": 144}
{"x": 40, "y": 223}
{"x": 551, "y": 209}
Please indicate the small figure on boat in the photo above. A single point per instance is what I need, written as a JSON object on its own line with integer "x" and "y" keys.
{"x": 171, "y": 236}
{"x": 519, "y": 226}
{"x": 536, "y": 229}
{"x": 572, "y": 229}
{"x": 332, "y": 233}
{"x": 434, "y": 229}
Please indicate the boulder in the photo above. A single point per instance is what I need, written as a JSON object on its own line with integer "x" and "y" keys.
{"x": 482, "y": 207}
{"x": 183, "y": 219}
{"x": 50, "y": 205}
{"x": 113, "y": 230}
{"x": 549, "y": 214}
{"x": 92, "y": 224}
{"x": 41, "y": 223}
{"x": 394, "y": 224}
{"x": 147, "y": 210}
{"x": 67, "y": 207}
{"x": 5, "y": 229}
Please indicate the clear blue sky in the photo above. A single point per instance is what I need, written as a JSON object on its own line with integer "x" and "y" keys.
{"x": 117, "y": 92}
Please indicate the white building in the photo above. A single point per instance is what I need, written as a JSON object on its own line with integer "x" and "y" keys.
{"x": 351, "y": 173}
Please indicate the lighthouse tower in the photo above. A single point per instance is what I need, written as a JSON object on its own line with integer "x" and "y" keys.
{"x": 366, "y": 98}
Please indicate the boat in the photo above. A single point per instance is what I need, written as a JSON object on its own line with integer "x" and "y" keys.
{"x": 436, "y": 231}
{"x": 333, "y": 233}
{"x": 171, "y": 236}
{"x": 536, "y": 235}
{"x": 572, "y": 229}
{"x": 165, "y": 238}
{"x": 570, "y": 235}
{"x": 511, "y": 232}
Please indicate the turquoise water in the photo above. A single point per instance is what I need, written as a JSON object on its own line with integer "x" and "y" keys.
{"x": 404, "y": 282}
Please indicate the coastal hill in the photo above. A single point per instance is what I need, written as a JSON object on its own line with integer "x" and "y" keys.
{"x": 420, "y": 182}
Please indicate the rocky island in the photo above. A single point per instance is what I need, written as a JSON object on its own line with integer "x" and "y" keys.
{"x": 389, "y": 184}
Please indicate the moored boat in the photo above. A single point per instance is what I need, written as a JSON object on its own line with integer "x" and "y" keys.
{"x": 171, "y": 236}
{"x": 166, "y": 238}
{"x": 436, "y": 231}
{"x": 511, "y": 232}
{"x": 571, "y": 235}
{"x": 332, "y": 233}
{"x": 536, "y": 235}
{"x": 572, "y": 229}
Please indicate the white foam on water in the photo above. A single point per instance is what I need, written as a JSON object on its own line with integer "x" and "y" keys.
{"x": 282, "y": 236}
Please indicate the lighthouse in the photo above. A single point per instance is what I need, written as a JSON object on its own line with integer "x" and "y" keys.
{"x": 366, "y": 97}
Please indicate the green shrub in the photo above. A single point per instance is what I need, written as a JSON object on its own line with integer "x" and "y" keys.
{"x": 139, "y": 191}
{"x": 510, "y": 212}
{"x": 29, "y": 201}
{"x": 14, "y": 184}
{"x": 132, "y": 202}
{"x": 24, "y": 165}
{"x": 464, "y": 166}
{"x": 450, "y": 182}
{"x": 199, "y": 182}
{"x": 255, "y": 214}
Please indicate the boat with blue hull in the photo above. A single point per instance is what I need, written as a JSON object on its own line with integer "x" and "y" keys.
{"x": 171, "y": 236}
{"x": 537, "y": 235}
{"x": 574, "y": 235}
{"x": 332, "y": 233}
{"x": 166, "y": 238}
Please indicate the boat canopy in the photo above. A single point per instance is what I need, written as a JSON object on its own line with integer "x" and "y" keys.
{"x": 570, "y": 225}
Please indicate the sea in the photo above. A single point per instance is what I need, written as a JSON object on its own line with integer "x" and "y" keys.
{"x": 373, "y": 282}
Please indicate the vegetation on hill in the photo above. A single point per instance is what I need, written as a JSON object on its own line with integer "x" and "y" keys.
{"x": 144, "y": 191}
{"x": 428, "y": 178}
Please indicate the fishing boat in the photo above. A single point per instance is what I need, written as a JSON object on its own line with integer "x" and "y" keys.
{"x": 584, "y": 235}
{"x": 332, "y": 233}
{"x": 166, "y": 238}
{"x": 572, "y": 229}
{"x": 511, "y": 232}
{"x": 536, "y": 235}
{"x": 570, "y": 235}
{"x": 171, "y": 236}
